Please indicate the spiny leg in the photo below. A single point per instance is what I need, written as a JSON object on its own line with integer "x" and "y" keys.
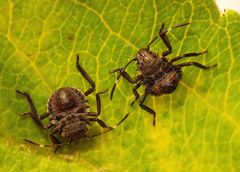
{"x": 187, "y": 55}
{"x": 111, "y": 128}
{"x": 165, "y": 39}
{"x": 136, "y": 93}
{"x": 33, "y": 112}
{"x": 86, "y": 76}
{"x": 195, "y": 64}
{"x": 123, "y": 73}
{"x": 146, "y": 108}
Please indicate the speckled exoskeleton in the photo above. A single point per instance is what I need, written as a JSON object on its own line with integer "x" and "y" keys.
{"x": 69, "y": 113}
{"x": 158, "y": 74}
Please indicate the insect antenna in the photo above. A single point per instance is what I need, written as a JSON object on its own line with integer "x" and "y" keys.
{"x": 121, "y": 73}
{"x": 42, "y": 145}
{"x": 169, "y": 29}
{"x": 114, "y": 86}
{"x": 123, "y": 119}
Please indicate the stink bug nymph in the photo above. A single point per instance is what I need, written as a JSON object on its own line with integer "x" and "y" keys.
{"x": 158, "y": 74}
{"x": 69, "y": 114}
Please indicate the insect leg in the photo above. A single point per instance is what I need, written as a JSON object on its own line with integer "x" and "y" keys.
{"x": 195, "y": 64}
{"x": 187, "y": 55}
{"x": 33, "y": 112}
{"x": 165, "y": 39}
{"x": 45, "y": 115}
{"x": 56, "y": 143}
{"x": 86, "y": 76}
{"x": 111, "y": 128}
{"x": 124, "y": 68}
{"x": 37, "y": 144}
{"x": 100, "y": 122}
{"x": 98, "y": 100}
{"x": 146, "y": 108}
{"x": 126, "y": 76}
{"x": 135, "y": 92}
{"x": 123, "y": 73}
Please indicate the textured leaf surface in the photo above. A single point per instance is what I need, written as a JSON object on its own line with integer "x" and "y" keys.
{"x": 198, "y": 126}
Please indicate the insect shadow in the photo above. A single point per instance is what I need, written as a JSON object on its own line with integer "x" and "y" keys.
{"x": 69, "y": 114}
{"x": 158, "y": 74}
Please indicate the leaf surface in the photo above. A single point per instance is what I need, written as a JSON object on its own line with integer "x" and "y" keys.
{"x": 197, "y": 127}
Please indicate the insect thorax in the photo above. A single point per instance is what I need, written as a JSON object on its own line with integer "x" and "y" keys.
{"x": 67, "y": 99}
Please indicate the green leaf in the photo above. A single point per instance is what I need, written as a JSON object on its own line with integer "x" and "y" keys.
{"x": 197, "y": 127}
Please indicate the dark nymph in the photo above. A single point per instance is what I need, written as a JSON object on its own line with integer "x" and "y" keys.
{"x": 157, "y": 74}
{"x": 69, "y": 114}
